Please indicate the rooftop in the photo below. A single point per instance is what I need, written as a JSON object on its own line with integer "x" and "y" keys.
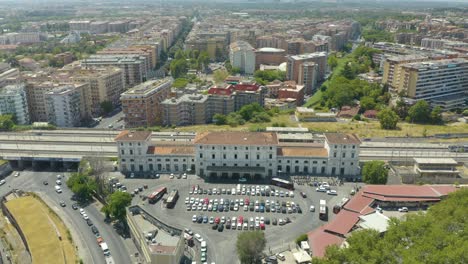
{"x": 287, "y": 129}
{"x": 302, "y": 152}
{"x": 375, "y": 221}
{"x": 267, "y": 49}
{"x": 147, "y": 88}
{"x": 340, "y": 138}
{"x": 236, "y": 138}
{"x": 319, "y": 240}
{"x": 343, "y": 222}
{"x": 127, "y": 135}
{"x": 308, "y": 56}
{"x": 171, "y": 150}
{"x": 434, "y": 64}
{"x": 445, "y": 161}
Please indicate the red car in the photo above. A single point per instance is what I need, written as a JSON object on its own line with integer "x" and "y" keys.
{"x": 246, "y": 202}
{"x": 206, "y": 201}
{"x": 262, "y": 226}
{"x": 217, "y": 220}
{"x": 240, "y": 219}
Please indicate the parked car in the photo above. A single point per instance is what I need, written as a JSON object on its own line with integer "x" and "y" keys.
{"x": 62, "y": 203}
{"x": 403, "y": 209}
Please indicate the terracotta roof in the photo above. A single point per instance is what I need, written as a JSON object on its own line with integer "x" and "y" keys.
{"x": 171, "y": 150}
{"x": 443, "y": 190}
{"x": 340, "y": 138}
{"x": 319, "y": 240}
{"x": 220, "y": 91}
{"x": 348, "y": 111}
{"x": 358, "y": 203}
{"x": 343, "y": 222}
{"x": 400, "y": 199}
{"x": 127, "y": 135}
{"x": 424, "y": 191}
{"x": 246, "y": 87}
{"x": 302, "y": 152}
{"x": 237, "y": 138}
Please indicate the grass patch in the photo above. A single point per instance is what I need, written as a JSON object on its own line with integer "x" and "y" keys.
{"x": 3, "y": 162}
{"x": 41, "y": 229}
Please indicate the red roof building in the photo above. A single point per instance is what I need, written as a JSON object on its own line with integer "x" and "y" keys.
{"x": 348, "y": 111}
{"x": 370, "y": 114}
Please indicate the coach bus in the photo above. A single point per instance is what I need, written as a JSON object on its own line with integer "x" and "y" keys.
{"x": 282, "y": 183}
{"x": 323, "y": 210}
{"x": 156, "y": 195}
{"x": 172, "y": 199}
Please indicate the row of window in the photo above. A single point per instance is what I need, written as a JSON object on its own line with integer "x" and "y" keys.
{"x": 213, "y": 156}
{"x": 344, "y": 155}
{"x": 235, "y": 148}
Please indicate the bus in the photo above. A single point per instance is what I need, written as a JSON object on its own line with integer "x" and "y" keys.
{"x": 323, "y": 210}
{"x": 282, "y": 183}
{"x": 156, "y": 195}
{"x": 338, "y": 206}
{"x": 172, "y": 199}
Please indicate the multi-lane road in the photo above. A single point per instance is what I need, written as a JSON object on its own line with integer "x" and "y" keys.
{"x": 89, "y": 250}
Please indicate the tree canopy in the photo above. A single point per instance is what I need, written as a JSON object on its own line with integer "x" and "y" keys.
{"x": 388, "y": 119}
{"x": 437, "y": 236}
{"x": 374, "y": 172}
{"x": 116, "y": 204}
{"x": 250, "y": 246}
{"x": 6, "y": 122}
{"x": 82, "y": 185}
{"x": 107, "y": 107}
{"x": 264, "y": 77}
{"x": 220, "y": 75}
{"x": 420, "y": 112}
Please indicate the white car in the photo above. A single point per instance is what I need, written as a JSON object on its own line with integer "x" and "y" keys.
{"x": 17, "y": 174}
{"x": 82, "y": 211}
{"x": 312, "y": 208}
{"x": 187, "y": 200}
{"x": 171, "y": 176}
{"x": 85, "y": 217}
{"x": 2, "y": 182}
{"x": 184, "y": 176}
{"x": 194, "y": 218}
{"x": 403, "y": 210}
{"x": 332, "y": 192}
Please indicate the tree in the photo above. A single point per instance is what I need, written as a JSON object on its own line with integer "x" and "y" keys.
{"x": 116, "y": 204}
{"x": 178, "y": 68}
{"x": 82, "y": 185}
{"x": 220, "y": 75}
{"x": 301, "y": 238}
{"x": 374, "y": 172}
{"x": 420, "y": 112}
{"x": 180, "y": 83}
{"x": 332, "y": 61}
{"x": 388, "y": 119}
{"x": 250, "y": 246}
{"x": 436, "y": 115}
{"x": 348, "y": 72}
{"x": 401, "y": 109}
{"x": 465, "y": 112}
{"x": 6, "y": 122}
{"x": 219, "y": 119}
{"x": 367, "y": 103}
{"x": 248, "y": 111}
{"x": 106, "y": 107}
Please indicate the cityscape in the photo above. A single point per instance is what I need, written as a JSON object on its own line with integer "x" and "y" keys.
{"x": 233, "y": 132}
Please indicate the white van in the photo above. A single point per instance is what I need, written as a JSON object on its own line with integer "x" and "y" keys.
{"x": 58, "y": 189}
{"x": 105, "y": 249}
{"x": 198, "y": 238}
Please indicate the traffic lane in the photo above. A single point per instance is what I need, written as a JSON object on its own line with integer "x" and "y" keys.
{"x": 110, "y": 236}
{"x": 33, "y": 181}
{"x": 79, "y": 224}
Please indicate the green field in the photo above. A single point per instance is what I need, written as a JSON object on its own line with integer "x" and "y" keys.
{"x": 41, "y": 229}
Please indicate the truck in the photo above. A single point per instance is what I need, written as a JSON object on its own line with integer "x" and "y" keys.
{"x": 105, "y": 249}
{"x": 323, "y": 210}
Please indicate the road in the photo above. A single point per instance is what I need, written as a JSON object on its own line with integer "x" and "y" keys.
{"x": 116, "y": 120}
{"x": 88, "y": 249}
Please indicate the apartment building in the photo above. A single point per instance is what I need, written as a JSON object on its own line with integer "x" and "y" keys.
{"x": 98, "y": 27}
{"x": 189, "y": 109}
{"x": 14, "y": 101}
{"x": 269, "y": 56}
{"x": 291, "y": 90}
{"x": 233, "y": 155}
{"x": 306, "y": 74}
{"x": 8, "y": 75}
{"x": 242, "y": 56}
{"x": 36, "y": 91}
{"x": 105, "y": 84}
{"x": 64, "y": 106}
{"x": 130, "y": 52}
{"x": 134, "y": 67}
{"x": 142, "y": 103}
{"x": 440, "y": 82}
{"x": 81, "y": 26}
{"x": 248, "y": 93}
{"x": 220, "y": 101}
{"x": 22, "y": 37}
{"x": 392, "y": 67}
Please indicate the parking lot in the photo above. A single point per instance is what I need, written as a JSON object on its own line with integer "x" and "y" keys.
{"x": 295, "y": 210}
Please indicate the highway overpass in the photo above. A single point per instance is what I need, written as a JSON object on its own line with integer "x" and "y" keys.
{"x": 70, "y": 146}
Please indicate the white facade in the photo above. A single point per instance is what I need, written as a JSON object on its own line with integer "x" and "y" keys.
{"x": 233, "y": 155}
{"x": 242, "y": 56}
{"x": 63, "y": 106}
{"x": 13, "y": 100}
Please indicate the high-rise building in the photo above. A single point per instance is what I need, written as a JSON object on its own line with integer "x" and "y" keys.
{"x": 303, "y": 74}
{"x": 64, "y": 106}
{"x": 14, "y": 101}
{"x": 242, "y": 56}
{"x": 142, "y": 103}
{"x": 135, "y": 67}
{"x": 440, "y": 82}
{"x": 392, "y": 67}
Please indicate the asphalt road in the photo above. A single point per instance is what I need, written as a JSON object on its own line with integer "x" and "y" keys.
{"x": 221, "y": 245}
{"x": 89, "y": 251}
{"x": 112, "y": 120}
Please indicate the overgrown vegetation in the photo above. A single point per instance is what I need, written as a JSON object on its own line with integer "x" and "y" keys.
{"x": 253, "y": 113}
{"x": 374, "y": 172}
{"x": 264, "y": 77}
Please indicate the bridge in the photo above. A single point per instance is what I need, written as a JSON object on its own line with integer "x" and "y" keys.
{"x": 31, "y": 148}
